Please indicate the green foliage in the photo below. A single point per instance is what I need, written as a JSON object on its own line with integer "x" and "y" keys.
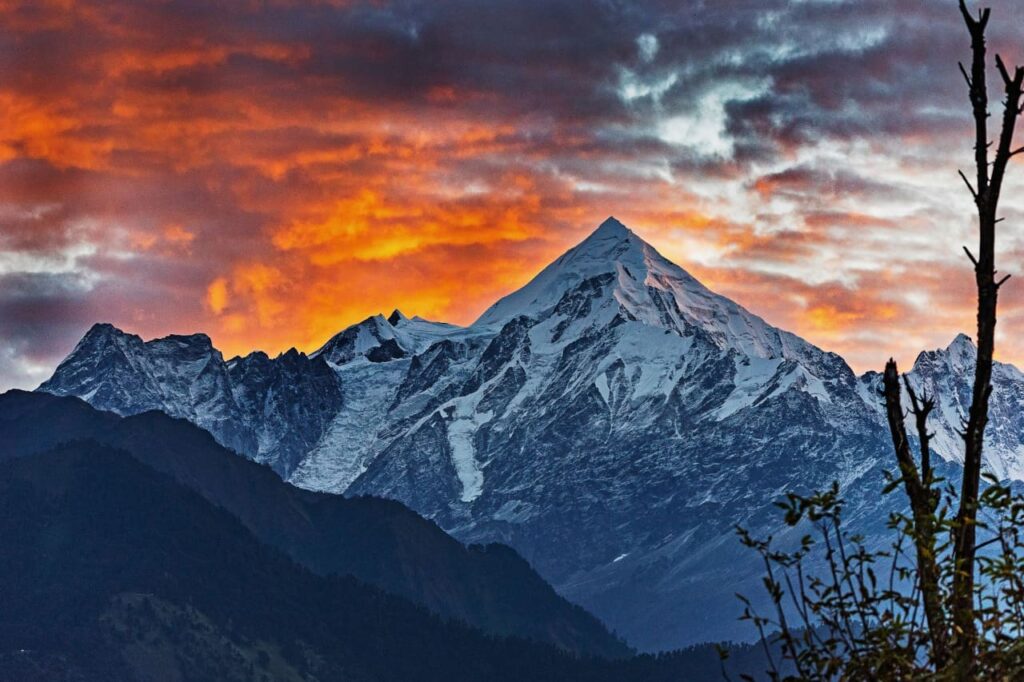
{"x": 844, "y": 611}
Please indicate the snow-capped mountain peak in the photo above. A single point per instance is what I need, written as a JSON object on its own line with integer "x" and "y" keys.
{"x": 374, "y": 339}
{"x": 648, "y": 288}
{"x": 961, "y": 341}
{"x": 104, "y": 336}
{"x": 102, "y": 330}
{"x": 612, "y": 228}
{"x": 960, "y": 355}
{"x": 379, "y": 339}
{"x": 947, "y": 376}
{"x": 610, "y": 244}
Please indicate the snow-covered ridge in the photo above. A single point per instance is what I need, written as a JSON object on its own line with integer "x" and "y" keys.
{"x": 947, "y": 376}
{"x": 639, "y": 268}
{"x": 272, "y": 410}
{"x": 381, "y": 339}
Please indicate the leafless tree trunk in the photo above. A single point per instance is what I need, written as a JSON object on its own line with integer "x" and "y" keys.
{"x": 958, "y": 646}
{"x": 922, "y": 504}
{"x": 986, "y": 198}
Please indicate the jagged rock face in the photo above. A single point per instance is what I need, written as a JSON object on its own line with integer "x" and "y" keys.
{"x": 612, "y": 420}
{"x": 288, "y": 403}
{"x": 183, "y": 376}
{"x": 271, "y": 410}
{"x": 947, "y": 376}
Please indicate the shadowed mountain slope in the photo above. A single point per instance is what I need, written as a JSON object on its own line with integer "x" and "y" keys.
{"x": 378, "y": 541}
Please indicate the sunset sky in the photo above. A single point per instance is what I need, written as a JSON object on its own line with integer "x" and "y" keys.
{"x": 270, "y": 172}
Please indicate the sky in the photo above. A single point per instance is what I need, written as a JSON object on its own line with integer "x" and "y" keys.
{"x": 269, "y": 172}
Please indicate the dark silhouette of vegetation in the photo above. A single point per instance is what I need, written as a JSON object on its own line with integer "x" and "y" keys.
{"x": 88, "y": 530}
{"x": 381, "y": 542}
{"x": 937, "y": 604}
{"x": 112, "y": 571}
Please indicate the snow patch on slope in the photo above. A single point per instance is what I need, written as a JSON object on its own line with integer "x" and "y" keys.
{"x": 349, "y": 445}
{"x": 752, "y": 374}
{"x": 464, "y": 425}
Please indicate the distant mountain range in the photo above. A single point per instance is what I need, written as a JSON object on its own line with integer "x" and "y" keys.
{"x": 612, "y": 421}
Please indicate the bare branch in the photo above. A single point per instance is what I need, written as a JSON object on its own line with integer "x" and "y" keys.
{"x": 922, "y": 504}
{"x": 1002, "y": 71}
{"x": 970, "y": 187}
{"x": 1014, "y": 86}
{"x": 968, "y": 19}
{"x": 966, "y": 77}
{"x": 979, "y": 98}
{"x": 971, "y": 256}
{"x": 921, "y": 408}
{"x": 972, "y": 23}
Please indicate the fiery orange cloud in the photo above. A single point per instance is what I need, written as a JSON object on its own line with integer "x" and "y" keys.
{"x": 176, "y": 234}
{"x": 217, "y": 295}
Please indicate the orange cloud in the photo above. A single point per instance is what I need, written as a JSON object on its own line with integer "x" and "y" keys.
{"x": 217, "y": 295}
{"x": 176, "y": 234}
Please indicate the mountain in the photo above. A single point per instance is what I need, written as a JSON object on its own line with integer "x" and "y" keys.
{"x": 371, "y": 360}
{"x": 378, "y": 541}
{"x": 613, "y": 420}
{"x": 114, "y": 572}
{"x": 618, "y": 424}
{"x": 646, "y": 288}
{"x": 941, "y": 373}
{"x": 271, "y": 410}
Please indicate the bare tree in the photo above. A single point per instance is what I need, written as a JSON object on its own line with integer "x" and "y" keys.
{"x": 869, "y": 630}
{"x": 923, "y": 502}
{"x": 918, "y": 484}
{"x": 989, "y": 184}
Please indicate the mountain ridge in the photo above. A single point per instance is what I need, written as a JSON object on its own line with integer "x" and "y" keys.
{"x": 612, "y": 420}
{"x": 115, "y": 572}
{"x": 380, "y": 542}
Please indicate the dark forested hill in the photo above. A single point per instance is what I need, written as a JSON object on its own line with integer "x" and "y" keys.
{"x": 111, "y": 571}
{"x": 127, "y": 575}
{"x": 378, "y": 541}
